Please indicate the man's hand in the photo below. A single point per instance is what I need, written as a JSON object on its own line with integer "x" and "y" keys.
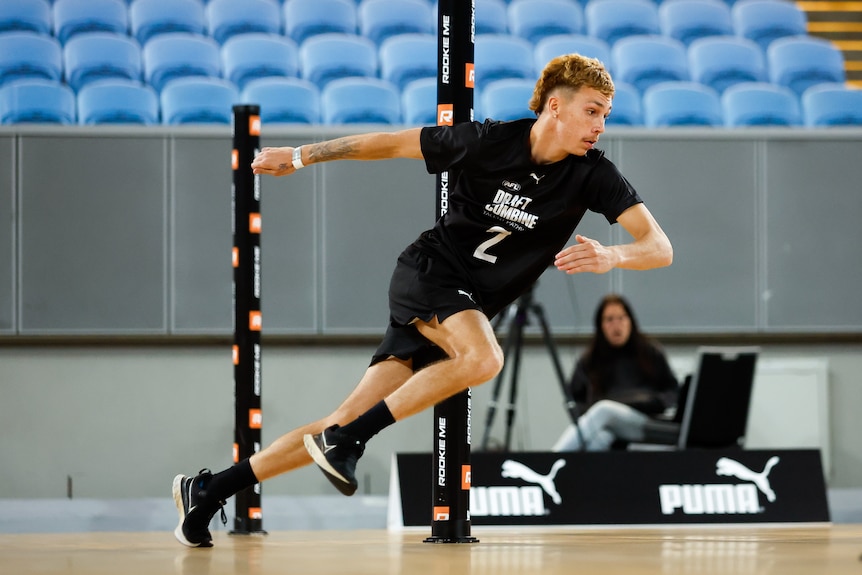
{"x": 587, "y": 255}
{"x": 274, "y": 162}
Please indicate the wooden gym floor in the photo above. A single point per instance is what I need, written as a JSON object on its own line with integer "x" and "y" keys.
{"x": 783, "y": 550}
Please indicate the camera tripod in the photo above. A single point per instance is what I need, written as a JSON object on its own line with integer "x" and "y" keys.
{"x": 517, "y": 315}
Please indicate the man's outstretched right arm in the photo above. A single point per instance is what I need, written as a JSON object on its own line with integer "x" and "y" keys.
{"x": 370, "y": 146}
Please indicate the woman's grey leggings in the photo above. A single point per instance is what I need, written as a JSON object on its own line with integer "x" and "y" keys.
{"x": 603, "y": 423}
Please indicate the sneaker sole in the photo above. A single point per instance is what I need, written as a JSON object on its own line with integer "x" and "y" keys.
{"x": 177, "y": 489}
{"x": 338, "y": 480}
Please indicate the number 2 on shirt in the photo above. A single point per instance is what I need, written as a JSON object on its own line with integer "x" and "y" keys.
{"x": 482, "y": 251}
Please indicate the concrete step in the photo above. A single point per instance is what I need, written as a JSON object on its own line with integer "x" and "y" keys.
{"x": 841, "y": 23}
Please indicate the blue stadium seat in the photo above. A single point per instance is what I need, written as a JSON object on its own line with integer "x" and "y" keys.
{"x": 800, "y": 62}
{"x": 226, "y": 18}
{"x": 554, "y": 46}
{"x": 118, "y": 102}
{"x": 419, "y": 102}
{"x": 537, "y": 19}
{"x": 688, "y": 20}
{"x": 408, "y": 57}
{"x": 643, "y": 61}
{"x": 626, "y": 109}
{"x": 29, "y": 55}
{"x": 284, "y": 100}
{"x": 178, "y": 54}
{"x": 501, "y": 56}
{"x": 25, "y": 15}
{"x": 832, "y": 105}
{"x": 681, "y": 104}
{"x": 380, "y": 19}
{"x": 361, "y": 101}
{"x": 612, "y": 20}
{"x": 722, "y": 61}
{"x": 249, "y": 56}
{"x": 326, "y": 57}
{"x": 198, "y": 100}
{"x": 766, "y": 20}
{"x": 148, "y": 18}
{"x": 508, "y": 99}
{"x": 100, "y": 55}
{"x": 492, "y": 17}
{"x": 306, "y": 18}
{"x": 760, "y": 104}
{"x": 37, "y": 101}
{"x": 78, "y": 16}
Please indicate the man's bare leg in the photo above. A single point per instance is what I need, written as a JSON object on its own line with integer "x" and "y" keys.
{"x": 474, "y": 357}
{"x": 287, "y": 452}
{"x": 198, "y": 498}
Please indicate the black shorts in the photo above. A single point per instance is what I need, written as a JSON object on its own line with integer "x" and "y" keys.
{"x": 422, "y": 287}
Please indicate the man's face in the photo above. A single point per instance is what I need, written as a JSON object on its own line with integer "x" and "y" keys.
{"x": 581, "y": 118}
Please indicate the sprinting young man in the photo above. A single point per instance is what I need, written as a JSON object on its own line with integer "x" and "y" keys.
{"x": 520, "y": 190}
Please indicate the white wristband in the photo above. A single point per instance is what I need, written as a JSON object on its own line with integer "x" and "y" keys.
{"x": 297, "y": 158}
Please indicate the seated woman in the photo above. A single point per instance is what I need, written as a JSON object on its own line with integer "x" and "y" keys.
{"x": 624, "y": 381}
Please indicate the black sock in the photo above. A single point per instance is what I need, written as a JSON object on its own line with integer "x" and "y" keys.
{"x": 230, "y": 481}
{"x": 370, "y": 423}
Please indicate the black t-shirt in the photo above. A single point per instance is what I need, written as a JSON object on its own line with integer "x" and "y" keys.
{"x": 507, "y": 217}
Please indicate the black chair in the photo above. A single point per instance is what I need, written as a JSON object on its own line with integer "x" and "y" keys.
{"x": 713, "y": 404}
{"x": 714, "y": 409}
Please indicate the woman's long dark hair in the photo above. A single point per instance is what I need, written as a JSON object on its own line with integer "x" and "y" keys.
{"x": 601, "y": 354}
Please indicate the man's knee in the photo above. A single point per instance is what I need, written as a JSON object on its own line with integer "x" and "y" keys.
{"x": 482, "y": 363}
{"x": 470, "y": 342}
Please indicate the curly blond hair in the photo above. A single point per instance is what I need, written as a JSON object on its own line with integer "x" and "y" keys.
{"x": 572, "y": 71}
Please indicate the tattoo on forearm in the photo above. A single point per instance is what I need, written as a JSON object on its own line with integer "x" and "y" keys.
{"x": 334, "y": 150}
{"x": 282, "y": 167}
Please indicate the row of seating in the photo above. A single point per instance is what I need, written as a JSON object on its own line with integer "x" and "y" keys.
{"x": 684, "y": 103}
{"x": 670, "y": 104}
{"x": 202, "y": 100}
{"x": 609, "y": 20}
{"x": 433, "y": 2}
{"x": 375, "y": 101}
{"x": 720, "y": 61}
{"x": 219, "y": 19}
{"x": 797, "y": 62}
{"x": 205, "y": 2}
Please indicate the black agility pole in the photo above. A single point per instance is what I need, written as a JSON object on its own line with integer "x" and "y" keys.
{"x": 245, "y": 196}
{"x": 452, "y": 475}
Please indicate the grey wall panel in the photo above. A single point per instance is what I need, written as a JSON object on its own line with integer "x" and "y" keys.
{"x": 755, "y": 249}
{"x": 814, "y": 258}
{"x": 202, "y": 270}
{"x": 291, "y": 248}
{"x": 202, "y": 274}
{"x": 93, "y": 235}
{"x": 373, "y": 210}
{"x": 702, "y": 192}
{"x": 7, "y": 235}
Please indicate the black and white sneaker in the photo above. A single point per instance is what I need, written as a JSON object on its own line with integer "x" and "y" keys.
{"x": 195, "y": 513}
{"x": 336, "y": 454}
